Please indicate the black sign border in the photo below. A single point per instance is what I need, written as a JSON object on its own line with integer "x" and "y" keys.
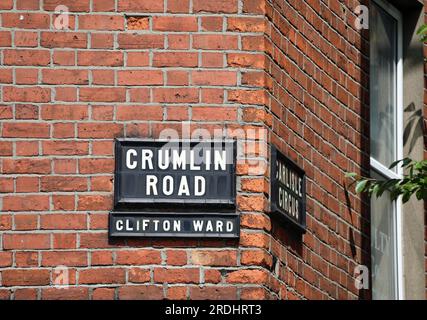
{"x": 276, "y": 154}
{"x": 171, "y": 235}
{"x": 149, "y": 204}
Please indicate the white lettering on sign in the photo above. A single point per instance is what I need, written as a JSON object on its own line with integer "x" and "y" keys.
{"x": 177, "y": 159}
{"x": 131, "y": 164}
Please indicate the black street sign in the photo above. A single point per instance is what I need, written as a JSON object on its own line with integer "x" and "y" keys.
{"x": 160, "y": 224}
{"x": 154, "y": 174}
{"x": 288, "y": 190}
{"x": 174, "y": 188}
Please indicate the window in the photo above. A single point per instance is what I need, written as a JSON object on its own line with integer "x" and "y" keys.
{"x": 386, "y": 146}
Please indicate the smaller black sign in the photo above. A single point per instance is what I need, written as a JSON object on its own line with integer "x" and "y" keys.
{"x": 288, "y": 194}
{"x": 173, "y": 225}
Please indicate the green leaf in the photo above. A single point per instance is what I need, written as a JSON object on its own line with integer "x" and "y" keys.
{"x": 351, "y": 175}
{"x": 361, "y": 185}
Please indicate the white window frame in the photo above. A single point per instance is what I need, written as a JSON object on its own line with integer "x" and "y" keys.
{"x": 398, "y": 129}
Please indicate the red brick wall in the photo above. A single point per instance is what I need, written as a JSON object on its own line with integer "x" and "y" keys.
{"x": 292, "y": 67}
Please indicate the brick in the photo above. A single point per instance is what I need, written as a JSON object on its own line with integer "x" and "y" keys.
{"x": 71, "y": 293}
{"x": 64, "y": 58}
{"x": 214, "y": 114}
{"x": 103, "y": 77}
{"x": 102, "y": 41}
{"x": 215, "y": 42}
{"x": 30, "y": 94}
{"x": 103, "y": 294}
{"x": 213, "y": 293}
{"x": 102, "y": 276}
{"x": 247, "y": 276}
{"x": 178, "y": 41}
{"x": 246, "y": 96}
{"x": 6, "y": 5}
{"x": 139, "y": 275}
{"x": 175, "y": 24}
{"x": 137, "y": 59}
{"x": 5, "y": 259}
{"x": 26, "y": 39}
{"x": 101, "y": 22}
{"x": 139, "y": 113}
{"x": 26, "y": 294}
{"x": 65, "y": 166}
{"x": 100, "y": 58}
{"x": 138, "y": 257}
{"x": 25, "y": 259}
{"x": 87, "y": 166}
{"x": 141, "y": 41}
{"x": 212, "y": 23}
{"x": 178, "y": 6}
{"x": 28, "y": 4}
{"x": 141, "y": 292}
{"x": 63, "y": 202}
{"x": 6, "y": 185}
{"x": 246, "y": 24}
{"x": 99, "y": 130}
{"x": 26, "y": 203}
{"x": 176, "y": 95}
{"x": 64, "y": 241}
{"x": 212, "y": 276}
{"x": 53, "y": 147}
{"x": 104, "y": 5}
{"x": 175, "y": 59}
{"x": 164, "y": 275}
{"x": 66, "y": 94}
{"x": 64, "y": 112}
{"x": 63, "y": 40}
{"x": 219, "y": 6}
{"x": 26, "y": 76}
{"x": 256, "y": 258}
{"x": 94, "y": 202}
{"x": 99, "y": 258}
{"x": 65, "y": 76}
{"x": 101, "y": 183}
{"x": 139, "y": 78}
{"x": 103, "y": 94}
{"x": 25, "y": 130}
{"x": 254, "y": 6}
{"x": 214, "y": 78}
{"x": 244, "y": 60}
{"x": 6, "y": 77}
{"x": 138, "y": 23}
{"x": 26, "y": 112}
{"x": 176, "y": 257}
{"x": 254, "y": 294}
{"x": 140, "y": 6}
{"x": 177, "y": 293}
{"x": 177, "y": 78}
{"x": 102, "y": 148}
{"x": 72, "y": 5}
{"x": 28, "y": 166}
{"x": 26, "y": 241}
{"x": 214, "y": 258}
{"x": 65, "y": 258}
{"x": 5, "y": 222}
{"x": 6, "y": 112}
{"x": 25, "y": 20}
{"x": 63, "y": 183}
{"x": 25, "y": 277}
{"x": 27, "y": 184}
{"x": 63, "y": 130}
